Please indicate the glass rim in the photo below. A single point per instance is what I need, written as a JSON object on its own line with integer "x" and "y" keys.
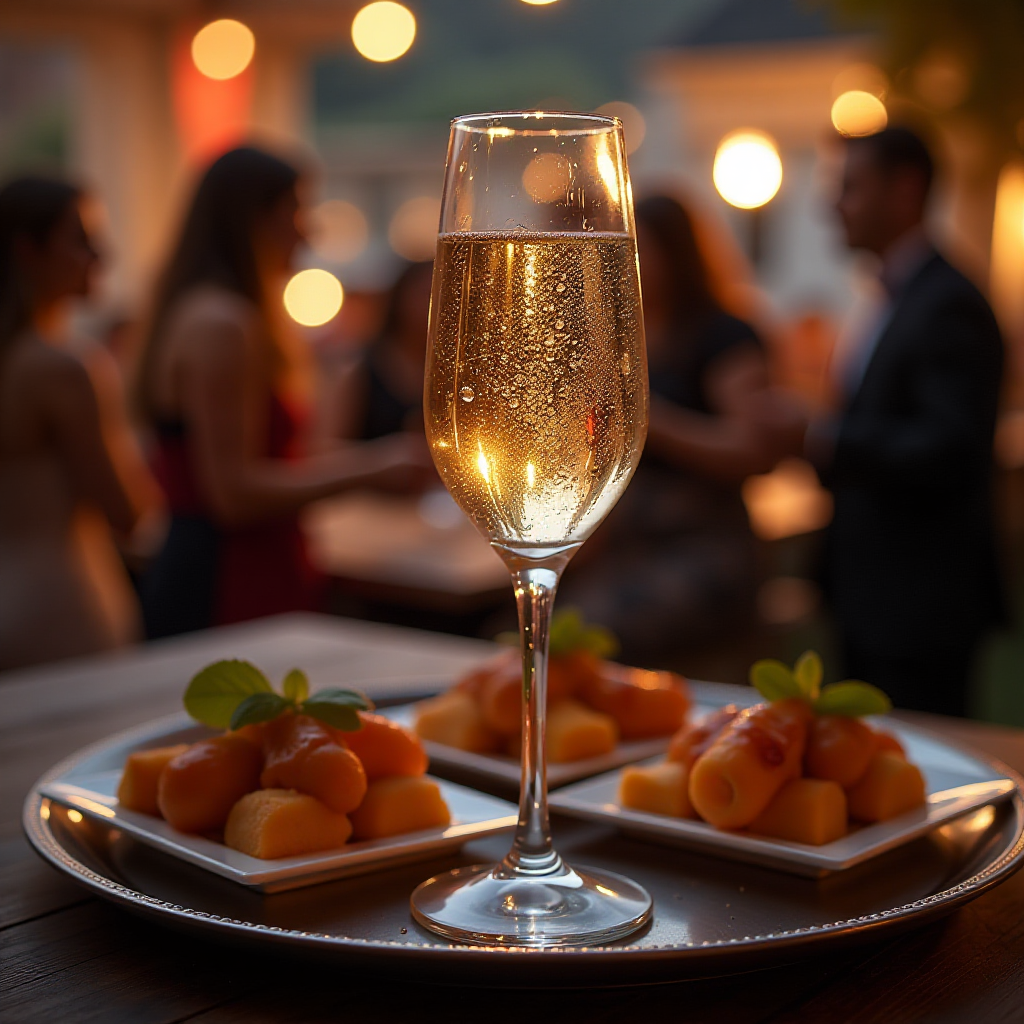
{"x": 587, "y": 123}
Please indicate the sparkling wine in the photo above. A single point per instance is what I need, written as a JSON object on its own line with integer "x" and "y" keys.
{"x": 534, "y": 411}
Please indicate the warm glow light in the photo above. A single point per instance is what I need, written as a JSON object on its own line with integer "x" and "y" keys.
{"x": 223, "y": 49}
{"x": 484, "y": 467}
{"x": 747, "y": 171}
{"x": 383, "y": 31}
{"x": 538, "y": 3}
{"x": 858, "y": 113}
{"x": 606, "y": 168}
{"x": 547, "y": 177}
{"x": 634, "y": 127}
{"x": 1007, "y": 256}
{"x": 340, "y": 232}
{"x": 787, "y": 501}
{"x": 531, "y": 474}
{"x": 75, "y": 816}
{"x": 312, "y": 297}
{"x": 44, "y": 810}
{"x": 413, "y": 228}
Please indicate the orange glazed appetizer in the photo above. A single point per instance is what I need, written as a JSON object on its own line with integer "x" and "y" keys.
{"x": 733, "y": 782}
{"x": 141, "y": 777}
{"x": 401, "y": 804}
{"x": 890, "y": 786}
{"x": 644, "y": 704}
{"x": 272, "y": 823}
{"x": 384, "y": 747}
{"x": 455, "y": 719}
{"x": 657, "y": 789}
{"x": 694, "y": 739}
{"x": 839, "y": 748}
{"x": 198, "y": 788}
{"x": 809, "y": 811}
{"x": 303, "y": 754}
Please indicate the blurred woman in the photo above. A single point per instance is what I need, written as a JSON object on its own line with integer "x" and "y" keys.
{"x": 225, "y": 391}
{"x": 69, "y": 467}
{"x": 383, "y": 393}
{"x": 675, "y": 564}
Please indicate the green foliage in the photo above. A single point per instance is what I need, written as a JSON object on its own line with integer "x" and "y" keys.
{"x": 258, "y": 707}
{"x": 215, "y": 691}
{"x": 773, "y": 680}
{"x": 296, "y": 685}
{"x": 571, "y": 632}
{"x": 809, "y": 671}
{"x": 231, "y": 694}
{"x": 852, "y": 698}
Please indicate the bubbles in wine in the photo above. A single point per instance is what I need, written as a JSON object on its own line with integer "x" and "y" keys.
{"x": 540, "y": 336}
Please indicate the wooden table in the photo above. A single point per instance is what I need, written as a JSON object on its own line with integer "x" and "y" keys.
{"x": 421, "y": 552}
{"x": 66, "y": 957}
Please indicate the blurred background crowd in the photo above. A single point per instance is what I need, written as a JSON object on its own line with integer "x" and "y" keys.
{"x": 215, "y": 246}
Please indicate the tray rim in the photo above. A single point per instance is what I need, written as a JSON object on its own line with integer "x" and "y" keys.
{"x": 47, "y": 846}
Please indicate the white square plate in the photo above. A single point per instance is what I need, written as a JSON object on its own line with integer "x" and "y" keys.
{"x": 91, "y": 787}
{"x": 498, "y": 768}
{"x": 955, "y": 783}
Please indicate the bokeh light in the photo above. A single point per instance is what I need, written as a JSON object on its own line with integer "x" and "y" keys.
{"x": 223, "y": 49}
{"x": 547, "y": 177}
{"x": 747, "y": 171}
{"x": 413, "y": 228}
{"x": 383, "y": 31}
{"x": 312, "y": 297}
{"x": 634, "y": 127}
{"x": 339, "y": 231}
{"x": 858, "y": 113}
{"x": 539, "y": 3}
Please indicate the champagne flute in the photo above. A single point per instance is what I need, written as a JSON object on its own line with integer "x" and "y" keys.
{"x": 536, "y": 405}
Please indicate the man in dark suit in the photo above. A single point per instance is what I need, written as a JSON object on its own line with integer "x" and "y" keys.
{"x": 910, "y": 560}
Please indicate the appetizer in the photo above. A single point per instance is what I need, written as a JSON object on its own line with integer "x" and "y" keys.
{"x": 799, "y": 767}
{"x": 292, "y": 774}
{"x": 592, "y": 702}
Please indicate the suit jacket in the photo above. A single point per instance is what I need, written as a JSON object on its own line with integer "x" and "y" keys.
{"x": 910, "y": 557}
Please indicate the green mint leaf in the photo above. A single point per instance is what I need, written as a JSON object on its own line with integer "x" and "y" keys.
{"x": 571, "y": 632}
{"x": 296, "y": 685}
{"x": 338, "y": 708}
{"x": 601, "y": 642}
{"x": 215, "y": 691}
{"x": 259, "y": 707}
{"x": 808, "y": 671}
{"x": 853, "y": 699}
{"x": 773, "y": 680}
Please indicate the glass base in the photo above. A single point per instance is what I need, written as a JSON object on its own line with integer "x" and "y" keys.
{"x": 489, "y": 905}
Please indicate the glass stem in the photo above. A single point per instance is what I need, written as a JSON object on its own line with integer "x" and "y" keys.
{"x": 535, "y": 584}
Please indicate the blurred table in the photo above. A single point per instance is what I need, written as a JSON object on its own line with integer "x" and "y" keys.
{"x": 416, "y": 551}
{"x": 68, "y": 957}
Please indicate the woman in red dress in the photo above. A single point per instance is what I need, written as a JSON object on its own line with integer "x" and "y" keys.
{"x": 224, "y": 391}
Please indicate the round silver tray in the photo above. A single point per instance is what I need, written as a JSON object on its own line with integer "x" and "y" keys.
{"x": 711, "y": 916}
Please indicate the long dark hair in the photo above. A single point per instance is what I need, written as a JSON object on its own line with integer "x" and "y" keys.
{"x": 672, "y": 228}
{"x": 30, "y": 208}
{"x": 216, "y": 242}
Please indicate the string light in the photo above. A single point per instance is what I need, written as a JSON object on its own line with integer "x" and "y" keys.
{"x": 312, "y": 297}
{"x": 383, "y": 31}
{"x": 858, "y": 113}
{"x": 748, "y": 170}
{"x": 223, "y": 49}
